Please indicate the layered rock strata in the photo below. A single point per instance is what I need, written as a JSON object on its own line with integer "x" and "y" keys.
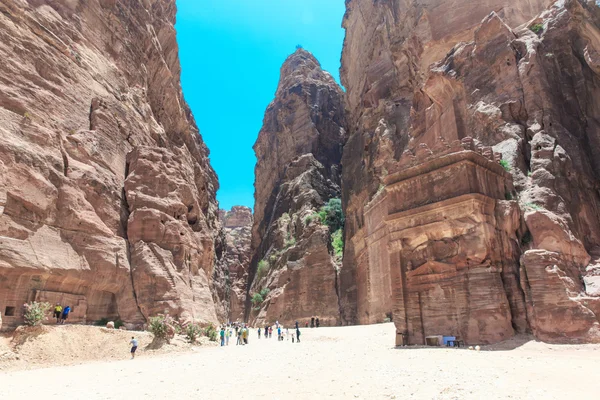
{"x": 527, "y": 93}
{"x": 299, "y": 148}
{"x": 233, "y": 265}
{"x": 107, "y": 198}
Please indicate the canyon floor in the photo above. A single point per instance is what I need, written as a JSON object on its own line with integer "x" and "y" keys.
{"x": 333, "y": 363}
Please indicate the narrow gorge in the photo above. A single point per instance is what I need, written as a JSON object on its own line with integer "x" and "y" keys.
{"x": 451, "y": 186}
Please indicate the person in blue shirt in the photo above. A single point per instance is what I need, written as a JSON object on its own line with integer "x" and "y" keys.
{"x": 134, "y": 346}
{"x": 65, "y": 314}
{"x": 279, "y": 338}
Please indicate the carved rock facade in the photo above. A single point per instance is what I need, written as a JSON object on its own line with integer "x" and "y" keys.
{"x": 464, "y": 253}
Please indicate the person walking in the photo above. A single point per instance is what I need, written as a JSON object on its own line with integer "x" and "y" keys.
{"x": 270, "y": 332}
{"x": 279, "y": 338}
{"x": 239, "y": 337}
{"x": 222, "y": 334}
{"x": 227, "y": 336}
{"x": 65, "y": 314}
{"x": 287, "y": 333}
{"x": 298, "y": 334}
{"x": 259, "y": 332}
{"x": 58, "y": 312}
{"x": 134, "y": 345}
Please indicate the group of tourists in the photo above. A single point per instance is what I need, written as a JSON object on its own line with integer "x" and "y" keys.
{"x": 61, "y": 314}
{"x": 241, "y": 331}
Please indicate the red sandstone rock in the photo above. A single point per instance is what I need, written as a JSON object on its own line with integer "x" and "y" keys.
{"x": 107, "y": 198}
{"x": 526, "y": 98}
{"x": 298, "y": 170}
{"x": 234, "y": 263}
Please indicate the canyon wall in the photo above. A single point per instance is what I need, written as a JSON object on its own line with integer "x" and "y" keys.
{"x": 107, "y": 197}
{"x": 299, "y": 148}
{"x": 231, "y": 273}
{"x": 439, "y": 94}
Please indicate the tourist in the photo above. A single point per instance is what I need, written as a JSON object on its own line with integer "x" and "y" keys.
{"x": 227, "y": 335}
{"x": 266, "y": 333}
{"x": 279, "y": 338}
{"x": 287, "y": 333}
{"x": 298, "y": 334}
{"x": 296, "y": 324}
{"x": 245, "y": 334}
{"x": 259, "y": 332}
{"x": 317, "y": 323}
{"x": 270, "y": 332}
{"x": 239, "y": 336}
{"x": 293, "y": 337}
{"x": 58, "y": 312}
{"x": 134, "y": 346}
{"x": 65, "y": 314}
{"x": 222, "y": 334}
{"x": 236, "y": 330}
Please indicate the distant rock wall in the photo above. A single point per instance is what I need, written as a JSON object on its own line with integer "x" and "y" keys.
{"x": 231, "y": 273}
{"x": 524, "y": 88}
{"x": 107, "y": 197}
{"x": 298, "y": 170}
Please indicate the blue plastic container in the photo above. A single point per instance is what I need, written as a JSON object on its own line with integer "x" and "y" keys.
{"x": 448, "y": 340}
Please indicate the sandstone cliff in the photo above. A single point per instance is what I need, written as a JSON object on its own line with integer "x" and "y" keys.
{"x": 435, "y": 230}
{"x": 231, "y": 273}
{"x": 107, "y": 198}
{"x": 294, "y": 270}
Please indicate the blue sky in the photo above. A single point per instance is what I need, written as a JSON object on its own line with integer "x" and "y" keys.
{"x": 231, "y": 52}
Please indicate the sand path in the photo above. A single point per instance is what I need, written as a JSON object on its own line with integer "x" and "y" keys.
{"x": 330, "y": 363}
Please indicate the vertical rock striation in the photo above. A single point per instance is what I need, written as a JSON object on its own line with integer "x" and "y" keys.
{"x": 298, "y": 170}
{"x": 438, "y": 96}
{"x": 107, "y": 198}
{"x": 232, "y": 268}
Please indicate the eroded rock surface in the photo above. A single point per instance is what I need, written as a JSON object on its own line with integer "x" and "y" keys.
{"x": 523, "y": 84}
{"x": 298, "y": 170}
{"x": 107, "y": 198}
{"x": 234, "y": 263}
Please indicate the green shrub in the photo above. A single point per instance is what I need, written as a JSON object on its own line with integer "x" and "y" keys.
{"x": 508, "y": 196}
{"x": 332, "y": 215}
{"x": 257, "y": 298}
{"x": 505, "y": 165}
{"x": 211, "y": 333}
{"x": 337, "y": 241}
{"x": 159, "y": 326}
{"x": 536, "y": 28}
{"x": 264, "y": 292}
{"x": 34, "y": 313}
{"x": 262, "y": 268}
{"x": 308, "y": 219}
{"x": 192, "y": 332}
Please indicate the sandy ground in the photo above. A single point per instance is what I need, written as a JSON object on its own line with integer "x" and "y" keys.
{"x": 330, "y": 363}
{"x": 45, "y": 346}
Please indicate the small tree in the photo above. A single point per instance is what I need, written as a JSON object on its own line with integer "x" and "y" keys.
{"x": 257, "y": 299}
{"x": 34, "y": 313}
{"x": 264, "y": 292}
{"x": 332, "y": 215}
